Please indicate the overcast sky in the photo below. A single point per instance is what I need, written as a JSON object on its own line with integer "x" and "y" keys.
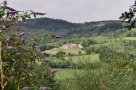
{"x": 75, "y": 10}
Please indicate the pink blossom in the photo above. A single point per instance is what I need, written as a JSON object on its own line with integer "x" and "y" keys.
{"x": 32, "y": 57}
{"x": 10, "y": 21}
{"x": 8, "y": 39}
{"x": 46, "y": 60}
{"x": 18, "y": 54}
{"x": 34, "y": 45}
{"x": 23, "y": 40}
{"x": 11, "y": 9}
{"x": 39, "y": 13}
{"x": 10, "y": 48}
{"x": 21, "y": 34}
{"x": 26, "y": 88}
{"x": 12, "y": 12}
{"x": 44, "y": 88}
{"x": 37, "y": 52}
{"x": 52, "y": 71}
{"x": 5, "y": 2}
{"x": 1, "y": 21}
{"x": 56, "y": 36}
{"x": 11, "y": 78}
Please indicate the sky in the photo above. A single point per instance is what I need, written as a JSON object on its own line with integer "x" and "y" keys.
{"x": 76, "y": 11}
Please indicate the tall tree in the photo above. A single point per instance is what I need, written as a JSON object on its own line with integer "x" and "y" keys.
{"x": 129, "y": 18}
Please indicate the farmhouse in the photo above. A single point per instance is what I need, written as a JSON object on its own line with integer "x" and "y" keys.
{"x": 66, "y": 46}
{"x": 71, "y": 46}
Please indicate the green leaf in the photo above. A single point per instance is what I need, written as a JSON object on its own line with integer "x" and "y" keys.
{"x": 34, "y": 15}
{"x": 1, "y": 16}
{"x": 23, "y": 18}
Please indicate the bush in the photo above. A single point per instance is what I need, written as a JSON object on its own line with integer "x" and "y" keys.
{"x": 118, "y": 75}
{"x": 89, "y": 50}
{"x": 46, "y": 47}
{"x": 42, "y": 47}
{"x": 19, "y": 66}
{"x": 60, "y": 54}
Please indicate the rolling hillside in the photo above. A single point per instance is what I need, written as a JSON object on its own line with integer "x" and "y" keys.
{"x": 67, "y": 29}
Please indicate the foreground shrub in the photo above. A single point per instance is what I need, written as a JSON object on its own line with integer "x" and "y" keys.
{"x": 118, "y": 75}
{"x": 20, "y": 66}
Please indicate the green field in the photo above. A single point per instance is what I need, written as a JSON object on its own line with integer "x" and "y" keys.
{"x": 130, "y": 38}
{"x": 84, "y": 58}
{"x": 66, "y": 73}
{"x": 72, "y": 51}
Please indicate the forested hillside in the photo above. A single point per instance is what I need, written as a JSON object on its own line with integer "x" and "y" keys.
{"x": 47, "y": 23}
{"x": 68, "y": 29}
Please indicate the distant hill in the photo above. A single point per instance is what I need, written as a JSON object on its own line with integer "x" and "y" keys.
{"x": 68, "y": 29}
{"x": 47, "y": 23}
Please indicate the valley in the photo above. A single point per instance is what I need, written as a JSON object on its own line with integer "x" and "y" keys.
{"x": 102, "y": 43}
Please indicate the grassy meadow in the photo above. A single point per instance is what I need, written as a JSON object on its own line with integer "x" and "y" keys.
{"x": 84, "y": 58}
{"x": 130, "y": 38}
{"x": 66, "y": 73}
{"x": 77, "y": 58}
{"x": 72, "y": 51}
